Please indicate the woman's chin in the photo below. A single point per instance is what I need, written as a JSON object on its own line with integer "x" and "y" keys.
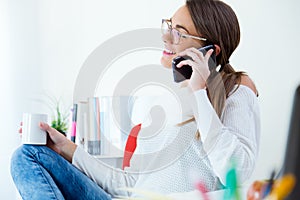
{"x": 167, "y": 63}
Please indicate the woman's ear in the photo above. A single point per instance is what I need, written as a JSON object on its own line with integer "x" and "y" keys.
{"x": 218, "y": 49}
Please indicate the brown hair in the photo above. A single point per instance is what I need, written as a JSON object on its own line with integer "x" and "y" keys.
{"x": 217, "y": 22}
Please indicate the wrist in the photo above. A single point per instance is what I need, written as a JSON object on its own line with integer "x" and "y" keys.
{"x": 197, "y": 86}
{"x": 67, "y": 150}
{"x": 198, "y": 81}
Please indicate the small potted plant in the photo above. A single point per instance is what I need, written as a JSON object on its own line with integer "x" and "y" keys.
{"x": 59, "y": 116}
{"x": 60, "y": 120}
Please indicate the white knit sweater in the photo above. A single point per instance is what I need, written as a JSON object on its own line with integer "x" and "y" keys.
{"x": 171, "y": 161}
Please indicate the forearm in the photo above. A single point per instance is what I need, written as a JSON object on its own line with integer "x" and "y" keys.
{"x": 67, "y": 150}
{"x": 233, "y": 137}
{"x": 58, "y": 142}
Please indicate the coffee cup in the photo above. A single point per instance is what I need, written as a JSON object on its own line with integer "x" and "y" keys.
{"x": 31, "y": 132}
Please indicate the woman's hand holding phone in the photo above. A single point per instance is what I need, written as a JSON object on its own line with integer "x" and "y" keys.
{"x": 199, "y": 64}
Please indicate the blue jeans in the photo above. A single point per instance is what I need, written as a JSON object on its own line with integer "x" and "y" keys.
{"x": 40, "y": 173}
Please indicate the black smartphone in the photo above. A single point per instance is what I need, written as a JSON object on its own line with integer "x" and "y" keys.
{"x": 185, "y": 72}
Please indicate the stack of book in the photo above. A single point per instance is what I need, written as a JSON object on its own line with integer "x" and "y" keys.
{"x": 103, "y": 124}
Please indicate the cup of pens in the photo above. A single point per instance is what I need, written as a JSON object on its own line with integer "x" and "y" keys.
{"x": 271, "y": 189}
{"x": 257, "y": 190}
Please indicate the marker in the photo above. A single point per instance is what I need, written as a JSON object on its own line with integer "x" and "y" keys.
{"x": 232, "y": 184}
{"x": 201, "y": 187}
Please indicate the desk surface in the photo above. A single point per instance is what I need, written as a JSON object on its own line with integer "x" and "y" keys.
{"x": 196, "y": 195}
{"x": 216, "y": 195}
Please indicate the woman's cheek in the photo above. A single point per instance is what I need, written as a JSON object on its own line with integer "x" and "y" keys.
{"x": 166, "y": 61}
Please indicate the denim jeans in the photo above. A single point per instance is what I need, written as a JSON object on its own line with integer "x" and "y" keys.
{"x": 40, "y": 173}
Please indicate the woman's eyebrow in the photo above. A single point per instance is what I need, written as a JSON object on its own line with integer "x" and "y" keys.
{"x": 180, "y": 26}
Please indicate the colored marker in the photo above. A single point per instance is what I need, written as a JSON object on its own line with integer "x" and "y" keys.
{"x": 201, "y": 187}
{"x": 231, "y": 184}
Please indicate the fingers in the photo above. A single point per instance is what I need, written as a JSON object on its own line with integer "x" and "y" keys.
{"x": 20, "y": 129}
{"x": 55, "y": 136}
{"x": 20, "y": 132}
{"x": 199, "y": 54}
{"x": 44, "y": 126}
{"x": 199, "y": 64}
{"x": 186, "y": 62}
{"x": 196, "y": 70}
{"x": 208, "y": 54}
{"x": 51, "y": 131}
{"x": 196, "y": 56}
{"x": 193, "y": 53}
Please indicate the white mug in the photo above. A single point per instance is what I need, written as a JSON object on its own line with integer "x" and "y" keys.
{"x": 31, "y": 132}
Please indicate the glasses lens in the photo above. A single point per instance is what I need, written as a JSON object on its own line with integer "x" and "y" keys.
{"x": 165, "y": 27}
{"x": 175, "y": 36}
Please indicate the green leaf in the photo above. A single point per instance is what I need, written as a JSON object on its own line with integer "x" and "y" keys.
{"x": 60, "y": 121}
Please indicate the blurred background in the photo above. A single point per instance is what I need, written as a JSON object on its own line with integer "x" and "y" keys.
{"x": 44, "y": 43}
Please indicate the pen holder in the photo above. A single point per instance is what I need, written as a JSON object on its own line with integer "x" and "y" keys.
{"x": 257, "y": 190}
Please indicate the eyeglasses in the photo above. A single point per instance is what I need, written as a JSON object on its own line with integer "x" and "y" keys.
{"x": 166, "y": 28}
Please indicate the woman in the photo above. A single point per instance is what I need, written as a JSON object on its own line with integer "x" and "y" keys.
{"x": 226, "y": 116}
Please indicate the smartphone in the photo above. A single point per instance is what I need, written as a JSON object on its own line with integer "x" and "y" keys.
{"x": 185, "y": 72}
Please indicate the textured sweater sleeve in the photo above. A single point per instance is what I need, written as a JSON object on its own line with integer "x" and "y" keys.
{"x": 233, "y": 137}
{"x": 108, "y": 178}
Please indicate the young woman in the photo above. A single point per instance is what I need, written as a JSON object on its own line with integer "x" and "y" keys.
{"x": 225, "y": 125}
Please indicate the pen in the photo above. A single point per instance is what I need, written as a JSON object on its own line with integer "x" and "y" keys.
{"x": 269, "y": 186}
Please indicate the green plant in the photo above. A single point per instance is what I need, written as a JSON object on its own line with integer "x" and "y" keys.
{"x": 60, "y": 121}
{"x": 59, "y": 112}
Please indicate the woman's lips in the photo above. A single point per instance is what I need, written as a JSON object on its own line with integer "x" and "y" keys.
{"x": 168, "y": 53}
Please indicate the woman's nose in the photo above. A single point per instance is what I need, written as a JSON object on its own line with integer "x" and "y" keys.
{"x": 166, "y": 38}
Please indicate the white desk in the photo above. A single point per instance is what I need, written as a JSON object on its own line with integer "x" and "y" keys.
{"x": 196, "y": 195}
{"x": 216, "y": 195}
{"x": 117, "y": 161}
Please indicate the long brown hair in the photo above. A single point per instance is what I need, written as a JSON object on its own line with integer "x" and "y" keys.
{"x": 217, "y": 22}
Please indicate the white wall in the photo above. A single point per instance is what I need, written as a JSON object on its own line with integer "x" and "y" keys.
{"x": 19, "y": 78}
{"x": 44, "y": 43}
{"x": 269, "y": 52}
